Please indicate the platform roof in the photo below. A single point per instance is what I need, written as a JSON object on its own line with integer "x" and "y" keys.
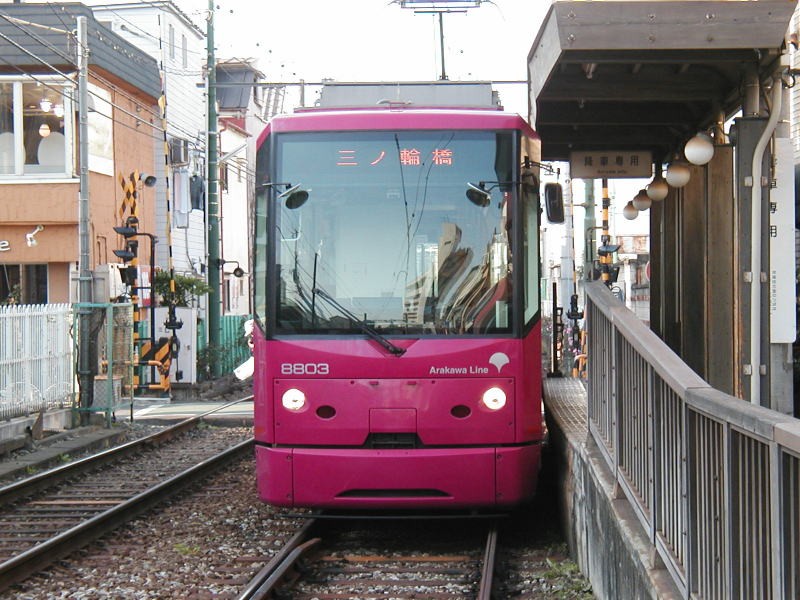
{"x": 646, "y": 75}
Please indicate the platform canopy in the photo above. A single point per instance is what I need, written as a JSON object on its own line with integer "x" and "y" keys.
{"x": 647, "y": 75}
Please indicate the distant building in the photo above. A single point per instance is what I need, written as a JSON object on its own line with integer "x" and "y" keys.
{"x": 243, "y": 107}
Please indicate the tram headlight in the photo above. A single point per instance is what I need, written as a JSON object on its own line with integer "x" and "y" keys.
{"x": 293, "y": 399}
{"x": 494, "y": 398}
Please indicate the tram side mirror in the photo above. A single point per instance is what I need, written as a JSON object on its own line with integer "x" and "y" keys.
{"x": 478, "y": 194}
{"x": 554, "y": 202}
{"x": 295, "y": 197}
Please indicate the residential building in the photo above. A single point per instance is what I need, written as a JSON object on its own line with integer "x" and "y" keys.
{"x": 39, "y": 167}
{"x": 163, "y": 31}
{"x": 242, "y": 109}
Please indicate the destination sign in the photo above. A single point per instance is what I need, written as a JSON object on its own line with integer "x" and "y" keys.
{"x": 351, "y": 157}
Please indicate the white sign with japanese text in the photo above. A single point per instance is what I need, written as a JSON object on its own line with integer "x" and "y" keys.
{"x": 782, "y": 315}
{"x": 611, "y": 164}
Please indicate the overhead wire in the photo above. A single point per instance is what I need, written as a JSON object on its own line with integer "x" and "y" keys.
{"x": 192, "y": 137}
{"x": 69, "y": 59}
{"x": 62, "y": 89}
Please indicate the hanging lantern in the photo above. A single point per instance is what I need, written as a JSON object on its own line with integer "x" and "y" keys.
{"x": 642, "y": 201}
{"x": 678, "y": 174}
{"x": 700, "y": 149}
{"x": 657, "y": 189}
{"x": 630, "y": 212}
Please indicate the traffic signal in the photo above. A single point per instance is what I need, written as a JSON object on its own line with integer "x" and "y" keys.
{"x": 128, "y": 255}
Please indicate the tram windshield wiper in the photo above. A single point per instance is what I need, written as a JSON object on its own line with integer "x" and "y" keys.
{"x": 383, "y": 341}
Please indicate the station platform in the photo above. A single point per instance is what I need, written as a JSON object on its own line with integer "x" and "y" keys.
{"x": 57, "y": 448}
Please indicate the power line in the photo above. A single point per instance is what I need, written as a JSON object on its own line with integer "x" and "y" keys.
{"x": 114, "y": 88}
{"x": 144, "y": 32}
{"x": 62, "y": 89}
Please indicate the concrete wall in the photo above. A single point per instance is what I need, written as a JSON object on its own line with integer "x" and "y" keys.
{"x": 604, "y": 536}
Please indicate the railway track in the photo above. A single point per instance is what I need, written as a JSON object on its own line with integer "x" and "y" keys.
{"x": 45, "y": 517}
{"x": 327, "y": 560}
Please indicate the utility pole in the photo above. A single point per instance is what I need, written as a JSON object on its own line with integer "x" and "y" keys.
{"x": 85, "y": 381}
{"x": 443, "y": 77}
{"x": 588, "y": 229}
{"x": 214, "y": 264}
{"x": 431, "y": 8}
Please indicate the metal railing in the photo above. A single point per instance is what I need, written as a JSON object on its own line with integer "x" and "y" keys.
{"x": 714, "y": 480}
{"x": 111, "y": 354}
{"x": 36, "y": 366}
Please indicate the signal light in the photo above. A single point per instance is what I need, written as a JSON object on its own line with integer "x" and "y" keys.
{"x": 131, "y": 273}
{"x": 125, "y": 255}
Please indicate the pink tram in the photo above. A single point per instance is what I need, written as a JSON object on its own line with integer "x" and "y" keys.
{"x": 396, "y": 300}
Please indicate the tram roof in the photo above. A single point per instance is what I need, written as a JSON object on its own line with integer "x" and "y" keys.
{"x": 646, "y": 75}
{"x": 393, "y": 117}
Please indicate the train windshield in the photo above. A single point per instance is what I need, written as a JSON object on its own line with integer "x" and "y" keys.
{"x": 405, "y": 232}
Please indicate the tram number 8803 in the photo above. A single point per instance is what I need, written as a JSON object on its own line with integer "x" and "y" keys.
{"x": 305, "y": 369}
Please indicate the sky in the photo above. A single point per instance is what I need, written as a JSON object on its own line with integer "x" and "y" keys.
{"x": 377, "y": 40}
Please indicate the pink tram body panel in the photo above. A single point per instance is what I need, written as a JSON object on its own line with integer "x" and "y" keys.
{"x": 396, "y": 279}
{"x": 470, "y": 456}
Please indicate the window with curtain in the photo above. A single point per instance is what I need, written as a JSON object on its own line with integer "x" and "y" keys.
{"x": 35, "y": 128}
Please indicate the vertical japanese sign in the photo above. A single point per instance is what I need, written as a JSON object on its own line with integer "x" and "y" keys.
{"x": 782, "y": 316}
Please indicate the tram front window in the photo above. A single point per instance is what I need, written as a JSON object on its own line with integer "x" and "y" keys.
{"x": 380, "y": 222}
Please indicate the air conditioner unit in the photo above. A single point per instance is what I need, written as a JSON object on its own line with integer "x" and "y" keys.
{"x": 108, "y": 282}
{"x": 178, "y": 151}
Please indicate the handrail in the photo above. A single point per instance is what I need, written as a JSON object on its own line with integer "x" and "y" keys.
{"x": 714, "y": 480}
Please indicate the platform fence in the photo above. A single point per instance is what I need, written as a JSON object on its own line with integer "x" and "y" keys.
{"x": 714, "y": 480}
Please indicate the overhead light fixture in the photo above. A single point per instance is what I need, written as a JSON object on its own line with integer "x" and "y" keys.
{"x": 45, "y": 105}
{"x": 30, "y": 238}
{"x": 44, "y": 130}
{"x": 58, "y": 110}
{"x": 678, "y": 174}
{"x": 630, "y": 212}
{"x": 146, "y": 179}
{"x": 700, "y": 149}
{"x": 657, "y": 189}
{"x": 642, "y": 201}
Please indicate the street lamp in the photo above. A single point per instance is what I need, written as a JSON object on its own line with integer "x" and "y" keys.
{"x": 237, "y": 271}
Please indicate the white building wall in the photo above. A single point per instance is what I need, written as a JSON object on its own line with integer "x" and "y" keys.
{"x": 235, "y": 227}
{"x": 795, "y": 93}
{"x": 148, "y": 27}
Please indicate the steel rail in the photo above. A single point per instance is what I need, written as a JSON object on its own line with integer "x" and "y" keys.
{"x": 42, "y": 555}
{"x": 51, "y": 477}
{"x": 487, "y": 571}
{"x": 264, "y": 582}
